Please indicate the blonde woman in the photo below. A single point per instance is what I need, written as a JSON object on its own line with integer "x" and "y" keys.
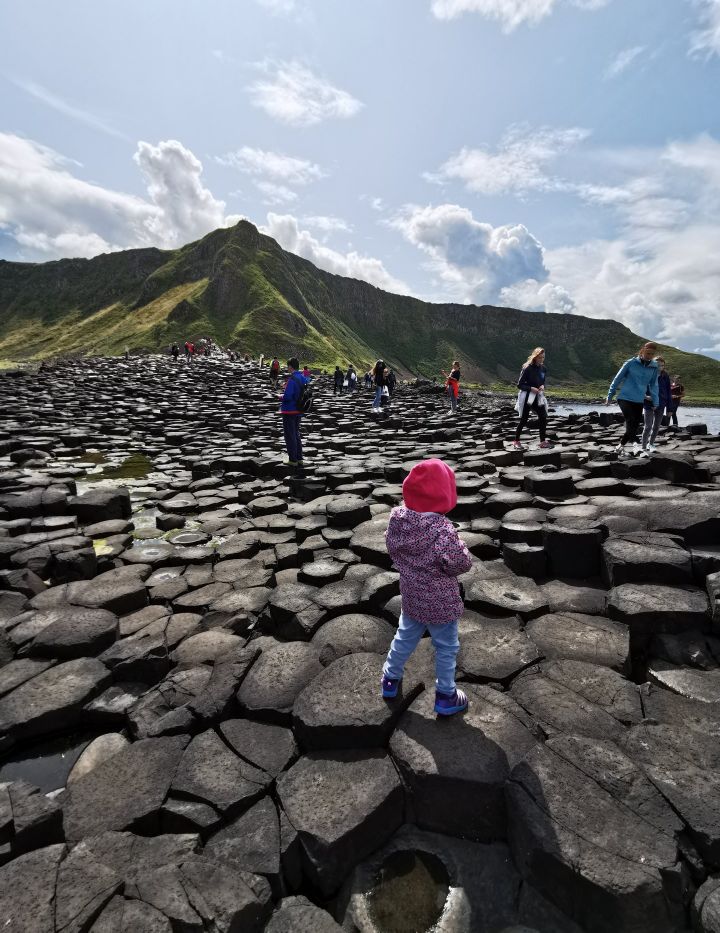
{"x": 531, "y": 396}
{"x": 636, "y": 378}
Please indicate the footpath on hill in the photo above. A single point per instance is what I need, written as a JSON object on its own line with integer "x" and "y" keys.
{"x": 192, "y": 735}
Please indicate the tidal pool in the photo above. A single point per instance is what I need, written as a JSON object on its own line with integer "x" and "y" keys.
{"x": 409, "y": 894}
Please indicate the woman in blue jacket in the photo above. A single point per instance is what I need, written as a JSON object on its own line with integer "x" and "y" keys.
{"x": 653, "y": 416}
{"x": 636, "y": 378}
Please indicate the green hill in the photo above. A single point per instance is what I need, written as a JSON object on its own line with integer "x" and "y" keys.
{"x": 242, "y": 289}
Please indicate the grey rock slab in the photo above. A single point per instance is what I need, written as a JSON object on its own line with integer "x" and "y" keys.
{"x": 150, "y": 715}
{"x": 602, "y": 686}
{"x": 645, "y": 558}
{"x": 343, "y": 707}
{"x": 27, "y": 890}
{"x": 649, "y": 609}
{"x": 456, "y": 768}
{"x": 76, "y": 633}
{"x": 118, "y": 594}
{"x": 574, "y": 596}
{"x": 270, "y": 748}
{"x": 99, "y": 750}
{"x": 299, "y": 915}
{"x": 664, "y": 706}
{"x": 508, "y": 595}
{"x": 368, "y": 542}
{"x": 276, "y": 679}
{"x": 15, "y": 673}
{"x": 125, "y": 791}
{"x": 36, "y": 820}
{"x": 349, "y": 634}
{"x": 125, "y": 915}
{"x": 207, "y": 646}
{"x": 491, "y": 649}
{"x": 54, "y": 699}
{"x": 703, "y": 686}
{"x": 251, "y": 842}
{"x": 343, "y": 806}
{"x": 580, "y": 637}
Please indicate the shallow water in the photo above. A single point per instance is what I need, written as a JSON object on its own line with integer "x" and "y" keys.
{"x": 410, "y": 893}
{"x": 686, "y": 413}
{"x": 47, "y": 763}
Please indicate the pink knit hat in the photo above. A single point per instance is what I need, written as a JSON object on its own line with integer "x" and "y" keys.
{"x": 430, "y": 487}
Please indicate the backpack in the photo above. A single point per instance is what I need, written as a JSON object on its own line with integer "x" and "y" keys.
{"x": 305, "y": 401}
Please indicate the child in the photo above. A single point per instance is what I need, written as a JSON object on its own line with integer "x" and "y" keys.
{"x": 427, "y": 551}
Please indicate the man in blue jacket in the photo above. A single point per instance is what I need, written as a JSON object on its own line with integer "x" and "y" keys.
{"x": 291, "y": 414}
{"x": 636, "y": 378}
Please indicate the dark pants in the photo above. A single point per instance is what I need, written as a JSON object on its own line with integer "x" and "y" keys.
{"x": 632, "y": 413}
{"x": 673, "y": 415}
{"x": 293, "y": 441}
{"x": 337, "y": 388}
{"x": 539, "y": 410}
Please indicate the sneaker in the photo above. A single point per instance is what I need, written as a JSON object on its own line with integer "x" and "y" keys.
{"x": 622, "y": 452}
{"x": 291, "y": 463}
{"x": 447, "y": 704}
{"x": 389, "y": 687}
{"x": 545, "y": 444}
{"x": 517, "y": 445}
{"x": 651, "y": 448}
{"x": 645, "y": 452}
{"x": 637, "y": 448}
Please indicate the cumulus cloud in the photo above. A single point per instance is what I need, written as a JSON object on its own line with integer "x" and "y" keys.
{"x": 327, "y": 224}
{"x": 475, "y": 260}
{"x": 273, "y": 173}
{"x": 285, "y": 229}
{"x": 622, "y": 61}
{"x": 50, "y": 212}
{"x": 519, "y": 165}
{"x": 510, "y": 13}
{"x": 705, "y": 41}
{"x": 291, "y": 93}
{"x": 276, "y": 194}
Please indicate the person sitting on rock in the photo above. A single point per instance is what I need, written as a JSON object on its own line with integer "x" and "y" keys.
{"x": 429, "y": 555}
{"x": 291, "y": 414}
{"x": 338, "y": 381}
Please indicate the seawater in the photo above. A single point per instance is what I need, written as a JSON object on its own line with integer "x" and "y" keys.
{"x": 687, "y": 414}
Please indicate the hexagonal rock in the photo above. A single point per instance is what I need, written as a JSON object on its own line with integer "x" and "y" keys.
{"x": 574, "y": 596}
{"x": 492, "y": 649}
{"x": 343, "y": 706}
{"x": 608, "y": 689}
{"x": 52, "y": 700}
{"x": 117, "y": 593}
{"x": 77, "y": 633}
{"x": 573, "y": 552}
{"x": 299, "y": 915}
{"x": 251, "y": 842}
{"x": 294, "y": 611}
{"x": 558, "y": 709}
{"x": 663, "y": 706}
{"x": 650, "y": 609}
{"x": 645, "y": 557}
{"x": 27, "y": 890}
{"x": 557, "y": 484}
{"x": 349, "y": 634}
{"x": 269, "y": 748}
{"x": 703, "y": 686}
{"x": 210, "y": 772}
{"x": 152, "y": 714}
{"x": 101, "y": 505}
{"x": 581, "y": 637}
{"x": 368, "y": 542}
{"x": 594, "y": 836}
{"x": 276, "y": 679}
{"x": 347, "y": 511}
{"x": 507, "y": 595}
{"x": 124, "y": 915}
{"x": 124, "y": 791}
{"x": 207, "y": 646}
{"x": 456, "y": 768}
{"x": 343, "y": 806}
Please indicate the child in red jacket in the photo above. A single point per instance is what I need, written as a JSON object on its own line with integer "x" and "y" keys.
{"x": 429, "y": 555}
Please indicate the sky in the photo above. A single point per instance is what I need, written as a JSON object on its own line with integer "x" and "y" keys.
{"x": 550, "y": 155}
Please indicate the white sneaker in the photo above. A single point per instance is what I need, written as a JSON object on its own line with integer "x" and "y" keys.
{"x": 651, "y": 449}
{"x": 645, "y": 452}
{"x": 621, "y": 452}
{"x": 637, "y": 448}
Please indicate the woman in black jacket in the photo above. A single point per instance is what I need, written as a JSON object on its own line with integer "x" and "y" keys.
{"x": 379, "y": 380}
{"x": 531, "y": 396}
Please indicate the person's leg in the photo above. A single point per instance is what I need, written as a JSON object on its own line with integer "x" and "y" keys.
{"x": 657, "y": 421}
{"x": 542, "y": 422}
{"x": 632, "y": 412}
{"x": 378, "y": 397}
{"x": 446, "y": 643}
{"x": 406, "y": 640}
{"x": 649, "y": 418}
{"x": 523, "y": 420}
{"x": 453, "y": 401}
{"x": 298, "y": 438}
{"x": 674, "y": 417}
{"x": 289, "y": 433}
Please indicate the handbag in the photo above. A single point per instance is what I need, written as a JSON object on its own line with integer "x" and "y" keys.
{"x": 386, "y": 391}
{"x": 345, "y": 384}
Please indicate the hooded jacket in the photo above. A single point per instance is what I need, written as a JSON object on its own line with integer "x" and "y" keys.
{"x": 636, "y": 379}
{"x": 291, "y": 396}
{"x": 429, "y": 555}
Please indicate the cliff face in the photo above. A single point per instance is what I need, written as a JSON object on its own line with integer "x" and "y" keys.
{"x": 241, "y": 288}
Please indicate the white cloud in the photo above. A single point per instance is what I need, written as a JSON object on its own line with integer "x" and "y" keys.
{"x": 705, "y": 41}
{"x": 66, "y": 108}
{"x": 622, "y": 61}
{"x": 293, "y": 94}
{"x": 531, "y": 295}
{"x": 286, "y": 230}
{"x": 278, "y": 6}
{"x": 510, "y": 13}
{"x": 327, "y": 224}
{"x": 475, "y": 260}
{"x": 275, "y": 165}
{"x": 50, "y": 212}
{"x": 520, "y": 164}
{"x": 276, "y": 194}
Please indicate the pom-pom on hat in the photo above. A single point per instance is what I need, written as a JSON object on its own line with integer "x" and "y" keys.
{"x": 430, "y": 487}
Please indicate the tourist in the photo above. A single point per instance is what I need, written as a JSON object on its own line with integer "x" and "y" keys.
{"x": 653, "y": 416}
{"x": 274, "y": 372}
{"x": 368, "y": 379}
{"x": 391, "y": 380}
{"x": 338, "y": 381}
{"x": 531, "y": 396}
{"x": 636, "y": 378}
{"x": 378, "y": 375}
{"x": 452, "y": 385}
{"x": 426, "y": 550}
{"x": 175, "y": 351}
{"x": 289, "y": 407}
{"x": 677, "y": 393}
{"x": 306, "y": 372}
{"x": 261, "y": 361}
{"x": 351, "y": 379}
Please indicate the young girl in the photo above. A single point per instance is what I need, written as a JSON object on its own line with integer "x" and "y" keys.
{"x": 429, "y": 555}
{"x": 452, "y": 384}
{"x": 636, "y": 378}
{"x": 531, "y": 396}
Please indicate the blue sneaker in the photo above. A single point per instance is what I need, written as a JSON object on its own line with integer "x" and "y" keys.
{"x": 389, "y": 687}
{"x": 447, "y": 704}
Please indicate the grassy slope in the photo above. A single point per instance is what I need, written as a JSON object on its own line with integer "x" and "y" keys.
{"x": 242, "y": 289}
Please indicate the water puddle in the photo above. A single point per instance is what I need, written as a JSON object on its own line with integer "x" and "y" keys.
{"x": 47, "y": 764}
{"x": 409, "y": 893}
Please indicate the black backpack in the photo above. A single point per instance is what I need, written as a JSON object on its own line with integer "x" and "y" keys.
{"x": 305, "y": 402}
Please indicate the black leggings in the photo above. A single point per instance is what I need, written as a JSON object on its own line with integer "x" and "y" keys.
{"x": 541, "y": 413}
{"x": 632, "y": 413}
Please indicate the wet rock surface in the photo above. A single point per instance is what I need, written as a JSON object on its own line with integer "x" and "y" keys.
{"x": 215, "y": 625}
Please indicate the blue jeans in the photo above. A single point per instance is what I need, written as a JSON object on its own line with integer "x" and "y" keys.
{"x": 407, "y": 638}
{"x": 293, "y": 441}
{"x": 378, "y": 396}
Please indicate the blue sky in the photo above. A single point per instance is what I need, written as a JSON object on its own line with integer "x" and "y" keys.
{"x": 559, "y": 155}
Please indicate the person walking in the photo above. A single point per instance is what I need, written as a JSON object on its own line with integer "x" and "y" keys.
{"x": 291, "y": 413}
{"x": 653, "y": 416}
{"x": 636, "y": 378}
{"x": 391, "y": 380}
{"x": 351, "y": 379}
{"x": 531, "y": 396}
{"x": 175, "y": 351}
{"x": 338, "y": 379}
{"x": 306, "y": 372}
{"x": 274, "y": 372}
{"x": 452, "y": 385}
{"x": 426, "y": 550}
{"x": 379, "y": 381}
{"x": 677, "y": 393}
